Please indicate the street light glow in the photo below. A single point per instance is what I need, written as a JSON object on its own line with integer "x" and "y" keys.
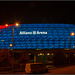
{"x": 72, "y": 34}
{"x": 17, "y": 24}
{"x": 6, "y": 25}
{"x": 10, "y": 44}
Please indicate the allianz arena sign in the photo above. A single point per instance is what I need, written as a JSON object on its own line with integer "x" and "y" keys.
{"x": 34, "y": 32}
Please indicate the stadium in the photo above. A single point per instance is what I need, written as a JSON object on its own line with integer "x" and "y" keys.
{"x": 38, "y": 39}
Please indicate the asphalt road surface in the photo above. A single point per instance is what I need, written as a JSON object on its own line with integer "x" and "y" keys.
{"x": 63, "y": 70}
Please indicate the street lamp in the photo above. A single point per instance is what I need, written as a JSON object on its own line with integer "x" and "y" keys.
{"x": 13, "y": 47}
{"x": 8, "y": 49}
{"x": 72, "y": 34}
{"x": 13, "y": 33}
{"x": 6, "y": 25}
{"x": 9, "y": 46}
{"x": 17, "y": 24}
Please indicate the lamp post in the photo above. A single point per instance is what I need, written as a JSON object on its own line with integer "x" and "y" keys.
{"x": 13, "y": 48}
{"x": 13, "y": 52}
{"x": 72, "y": 34}
{"x": 12, "y": 45}
{"x": 8, "y": 49}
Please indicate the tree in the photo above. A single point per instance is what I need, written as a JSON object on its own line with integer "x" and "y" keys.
{"x": 59, "y": 58}
{"x": 22, "y": 59}
{"x": 6, "y": 59}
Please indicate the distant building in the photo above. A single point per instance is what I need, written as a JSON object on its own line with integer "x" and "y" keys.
{"x": 38, "y": 37}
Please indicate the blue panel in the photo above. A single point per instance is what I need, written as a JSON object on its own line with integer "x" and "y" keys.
{"x": 56, "y": 37}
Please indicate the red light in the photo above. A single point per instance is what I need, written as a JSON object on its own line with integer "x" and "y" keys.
{"x": 5, "y": 26}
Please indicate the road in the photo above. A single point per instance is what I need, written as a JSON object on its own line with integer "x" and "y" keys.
{"x": 63, "y": 70}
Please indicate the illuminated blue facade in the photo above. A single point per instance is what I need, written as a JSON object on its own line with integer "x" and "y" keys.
{"x": 49, "y": 36}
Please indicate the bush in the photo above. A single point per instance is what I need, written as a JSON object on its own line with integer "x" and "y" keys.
{"x": 6, "y": 59}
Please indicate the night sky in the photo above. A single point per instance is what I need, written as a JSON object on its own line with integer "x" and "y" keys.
{"x": 37, "y": 12}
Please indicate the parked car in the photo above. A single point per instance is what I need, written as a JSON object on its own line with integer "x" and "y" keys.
{"x": 35, "y": 68}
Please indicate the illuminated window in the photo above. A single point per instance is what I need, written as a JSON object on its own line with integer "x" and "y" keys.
{"x": 48, "y": 53}
{"x": 29, "y": 54}
{"x": 41, "y": 54}
{"x": 52, "y": 54}
{"x": 38, "y": 54}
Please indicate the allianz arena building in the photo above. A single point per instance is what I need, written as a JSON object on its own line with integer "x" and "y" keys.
{"x": 38, "y": 37}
